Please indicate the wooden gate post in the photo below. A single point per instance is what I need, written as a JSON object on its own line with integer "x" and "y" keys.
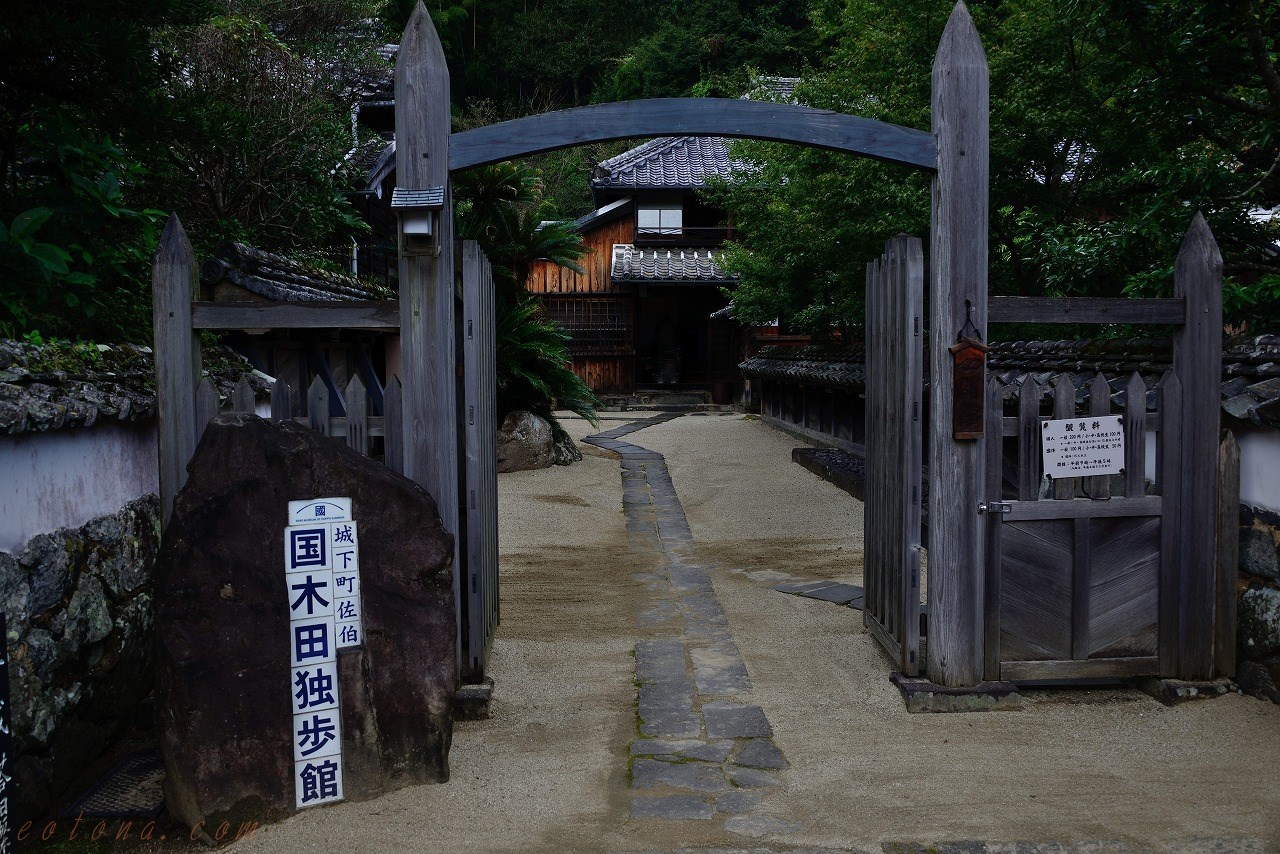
{"x": 957, "y": 568}
{"x": 429, "y": 401}
{"x": 175, "y": 283}
{"x": 1197, "y": 360}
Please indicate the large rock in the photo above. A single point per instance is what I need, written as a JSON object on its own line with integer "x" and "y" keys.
{"x": 525, "y": 441}
{"x": 222, "y": 626}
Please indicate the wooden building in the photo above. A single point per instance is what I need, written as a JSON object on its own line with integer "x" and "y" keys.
{"x": 640, "y": 315}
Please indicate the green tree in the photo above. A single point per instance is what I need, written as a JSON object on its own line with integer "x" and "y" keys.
{"x": 1111, "y": 123}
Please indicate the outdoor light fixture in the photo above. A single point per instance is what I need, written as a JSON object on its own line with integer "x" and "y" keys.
{"x": 419, "y": 213}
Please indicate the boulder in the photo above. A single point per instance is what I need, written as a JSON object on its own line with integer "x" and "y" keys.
{"x": 565, "y": 451}
{"x": 222, "y": 626}
{"x": 525, "y": 441}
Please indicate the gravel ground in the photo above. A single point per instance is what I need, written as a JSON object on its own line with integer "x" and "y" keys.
{"x": 549, "y": 771}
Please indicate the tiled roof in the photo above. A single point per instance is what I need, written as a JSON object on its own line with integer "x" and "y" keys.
{"x": 1250, "y": 368}
{"x": 59, "y": 386}
{"x": 770, "y": 88}
{"x": 282, "y": 279}
{"x": 667, "y": 163}
{"x": 644, "y": 264}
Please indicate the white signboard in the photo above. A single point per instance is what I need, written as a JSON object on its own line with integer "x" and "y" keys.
{"x": 322, "y": 578}
{"x": 1079, "y": 447}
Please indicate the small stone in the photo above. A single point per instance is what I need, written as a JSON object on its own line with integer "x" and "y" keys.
{"x": 760, "y": 753}
{"x": 1258, "y": 554}
{"x": 732, "y": 720}
{"x": 1259, "y": 622}
{"x": 673, "y": 807}
{"x": 695, "y": 776}
{"x": 758, "y": 826}
{"x": 49, "y": 568}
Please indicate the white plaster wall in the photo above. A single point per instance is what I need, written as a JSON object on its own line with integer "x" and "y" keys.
{"x": 65, "y": 478}
{"x": 1260, "y": 468}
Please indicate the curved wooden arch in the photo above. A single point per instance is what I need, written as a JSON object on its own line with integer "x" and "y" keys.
{"x": 692, "y": 117}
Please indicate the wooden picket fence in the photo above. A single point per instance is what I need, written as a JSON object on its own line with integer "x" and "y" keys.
{"x": 357, "y": 428}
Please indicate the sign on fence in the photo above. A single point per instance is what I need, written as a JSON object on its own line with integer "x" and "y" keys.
{"x": 322, "y": 571}
{"x": 1073, "y": 447}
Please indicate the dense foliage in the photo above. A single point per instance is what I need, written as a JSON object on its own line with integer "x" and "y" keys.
{"x": 112, "y": 114}
{"x": 1112, "y": 122}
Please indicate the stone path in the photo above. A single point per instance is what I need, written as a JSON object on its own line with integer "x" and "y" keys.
{"x": 704, "y": 751}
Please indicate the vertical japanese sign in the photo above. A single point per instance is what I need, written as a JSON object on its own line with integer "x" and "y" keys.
{"x": 322, "y": 578}
{"x": 7, "y": 842}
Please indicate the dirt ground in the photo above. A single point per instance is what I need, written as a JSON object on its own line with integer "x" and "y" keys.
{"x": 548, "y": 772}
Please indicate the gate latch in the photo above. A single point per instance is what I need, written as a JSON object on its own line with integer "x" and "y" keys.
{"x": 994, "y": 507}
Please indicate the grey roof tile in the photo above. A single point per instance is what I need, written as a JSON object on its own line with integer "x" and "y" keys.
{"x": 649, "y": 264}
{"x": 667, "y": 163}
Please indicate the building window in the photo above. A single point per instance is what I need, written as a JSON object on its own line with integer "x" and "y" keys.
{"x": 659, "y": 221}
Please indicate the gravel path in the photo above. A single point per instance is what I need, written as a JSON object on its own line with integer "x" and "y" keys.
{"x": 583, "y": 601}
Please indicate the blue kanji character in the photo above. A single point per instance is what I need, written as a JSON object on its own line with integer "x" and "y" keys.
{"x": 311, "y": 641}
{"x": 319, "y": 731}
{"x": 314, "y": 690}
{"x": 310, "y": 595}
{"x": 346, "y": 610}
{"x": 319, "y": 510}
{"x": 343, "y": 535}
{"x": 349, "y": 634}
{"x": 345, "y": 583}
{"x": 319, "y": 781}
{"x": 307, "y": 548}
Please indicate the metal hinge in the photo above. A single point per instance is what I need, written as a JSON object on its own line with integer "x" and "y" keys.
{"x": 994, "y": 507}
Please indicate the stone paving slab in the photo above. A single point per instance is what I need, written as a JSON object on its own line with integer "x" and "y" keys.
{"x": 673, "y": 807}
{"x": 753, "y": 778}
{"x": 716, "y": 751}
{"x": 760, "y": 753}
{"x": 759, "y": 826}
{"x": 718, "y": 669}
{"x": 734, "y": 720}
{"x": 693, "y": 776}
{"x": 828, "y": 591}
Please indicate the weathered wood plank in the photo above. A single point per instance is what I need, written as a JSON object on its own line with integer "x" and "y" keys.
{"x": 1096, "y": 668}
{"x": 1197, "y": 359}
{"x": 690, "y": 117}
{"x": 910, "y": 388}
{"x": 1098, "y": 487}
{"x": 206, "y": 407}
{"x": 357, "y": 400}
{"x": 1064, "y": 406}
{"x": 175, "y": 283}
{"x": 1228, "y": 523}
{"x": 1003, "y": 309}
{"x": 1135, "y": 437}
{"x": 1080, "y": 508}
{"x": 958, "y": 261}
{"x": 242, "y": 399}
{"x": 314, "y": 315}
{"x": 393, "y": 415}
{"x": 1029, "y": 459}
{"x": 995, "y": 492}
{"x": 318, "y": 406}
{"x": 281, "y": 401}
{"x": 1169, "y": 451}
{"x": 427, "y": 286}
{"x": 1080, "y": 587}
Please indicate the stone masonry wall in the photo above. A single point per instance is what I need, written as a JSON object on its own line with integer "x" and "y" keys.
{"x": 78, "y": 603}
{"x": 1258, "y": 671}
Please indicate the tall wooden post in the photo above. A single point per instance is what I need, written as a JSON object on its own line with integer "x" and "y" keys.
{"x": 1197, "y": 360}
{"x": 959, "y": 265}
{"x": 175, "y": 282}
{"x": 427, "y": 310}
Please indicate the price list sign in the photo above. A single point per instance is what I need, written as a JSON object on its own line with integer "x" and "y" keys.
{"x": 1080, "y": 447}
{"x": 322, "y": 577}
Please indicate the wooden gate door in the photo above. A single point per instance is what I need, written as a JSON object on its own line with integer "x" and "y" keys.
{"x": 891, "y": 511}
{"x": 1115, "y": 576}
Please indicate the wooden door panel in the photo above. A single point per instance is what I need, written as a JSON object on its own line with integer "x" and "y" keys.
{"x": 1124, "y": 582}
{"x": 1035, "y": 590}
